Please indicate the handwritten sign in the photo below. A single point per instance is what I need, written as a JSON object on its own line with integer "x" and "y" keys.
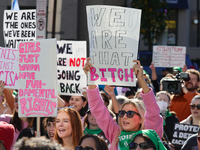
{"x": 169, "y": 56}
{"x": 182, "y": 132}
{"x": 19, "y": 25}
{"x": 114, "y": 35}
{"x": 37, "y": 78}
{"x": 71, "y": 58}
{"x": 9, "y": 67}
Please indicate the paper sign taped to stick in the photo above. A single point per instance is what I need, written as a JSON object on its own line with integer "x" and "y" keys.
{"x": 71, "y": 57}
{"x": 18, "y": 26}
{"x": 169, "y": 56}
{"x": 9, "y": 67}
{"x": 37, "y": 78}
{"x": 182, "y": 132}
{"x": 114, "y": 36}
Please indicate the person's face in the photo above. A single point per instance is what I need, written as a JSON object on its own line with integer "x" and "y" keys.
{"x": 77, "y": 102}
{"x": 139, "y": 140}
{"x": 130, "y": 124}
{"x": 16, "y": 103}
{"x": 139, "y": 95}
{"x": 63, "y": 125}
{"x": 195, "y": 112}
{"x": 88, "y": 142}
{"x": 163, "y": 97}
{"x": 91, "y": 119}
{"x": 51, "y": 130}
{"x": 193, "y": 83}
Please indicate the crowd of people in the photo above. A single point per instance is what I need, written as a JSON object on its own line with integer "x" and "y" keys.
{"x": 108, "y": 117}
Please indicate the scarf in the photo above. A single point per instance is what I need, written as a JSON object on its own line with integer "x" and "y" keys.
{"x": 95, "y": 131}
{"x": 125, "y": 139}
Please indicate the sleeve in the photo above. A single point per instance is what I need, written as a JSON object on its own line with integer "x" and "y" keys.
{"x": 102, "y": 114}
{"x": 5, "y": 118}
{"x": 153, "y": 120}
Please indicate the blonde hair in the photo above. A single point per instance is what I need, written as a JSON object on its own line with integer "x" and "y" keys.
{"x": 139, "y": 105}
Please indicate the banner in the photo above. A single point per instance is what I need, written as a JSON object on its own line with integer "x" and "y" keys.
{"x": 9, "y": 67}
{"x": 114, "y": 36}
{"x": 37, "y": 78}
{"x": 71, "y": 58}
{"x": 169, "y": 56}
{"x": 182, "y": 132}
{"x": 19, "y": 25}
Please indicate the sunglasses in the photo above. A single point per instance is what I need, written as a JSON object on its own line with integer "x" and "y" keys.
{"x": 143, "y": 145}
{"x": 198, "y": 138}
{"x": 129, "y": 113}
{"x": 81, "y": 148}
{"x": 192, "y": 106}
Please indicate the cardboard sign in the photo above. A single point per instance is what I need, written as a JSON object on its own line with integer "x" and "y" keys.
{"x": 71, "y": 58}
{"x": 9, "y": 67}
{"x": 114, "y": 35}
{"x": 169, "y": 56}
{"x": 182, "y": 132}
{"x": 37, "y": 78}
{"x": 19, "y": 25}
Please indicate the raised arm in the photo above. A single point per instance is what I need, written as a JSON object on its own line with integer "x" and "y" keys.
{"x": 2, "y": 84}
{"x": 153, "y": 71}
{"x": 110, "y": 91}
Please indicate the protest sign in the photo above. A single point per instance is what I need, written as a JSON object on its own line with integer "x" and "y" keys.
{"x": 182, "y": 132}
{"x": 169, "y": 56}
{"x": 37, "y": 78}
{"x": 113, "y": 35}
{"x": 9, "y": 67}
{"x": 71, "y": 57}
{"x": 19, "y": 25}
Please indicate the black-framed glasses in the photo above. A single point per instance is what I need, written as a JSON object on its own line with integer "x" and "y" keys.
{"x": 81, "y": 148}
{"x": 144, "y": 145}
{"x": 129, "y": 113}
{"x": 192, "y": 106}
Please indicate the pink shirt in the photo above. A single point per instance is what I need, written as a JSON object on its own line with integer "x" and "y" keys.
{"x": 153, "y": 120}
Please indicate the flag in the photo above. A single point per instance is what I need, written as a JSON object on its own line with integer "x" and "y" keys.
{"x": 14, "y": 5}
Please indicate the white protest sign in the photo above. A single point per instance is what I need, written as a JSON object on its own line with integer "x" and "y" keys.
{"x": 71, "y": 57}
{"x": 169, "y": 56}
{"x": 37, "y": 78}
{"x": 9, "y": 67}
{"x": 19, "y": 25}
{"x": 114, "y": 36}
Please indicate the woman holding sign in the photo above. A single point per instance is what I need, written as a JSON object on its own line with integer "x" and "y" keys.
{"x": 132, "y": 116}
{"x": 69, "y": 129}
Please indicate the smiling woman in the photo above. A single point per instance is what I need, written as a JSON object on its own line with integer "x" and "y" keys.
{"x": 68, "y": 130}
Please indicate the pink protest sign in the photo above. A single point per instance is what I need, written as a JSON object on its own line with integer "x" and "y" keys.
{"x": 114, "y": 36}
{"x": 37, "y": 78}
{"x": 169, "y": 56}
{"x": 71, "y": 57}
{"x": 9, "y": 67}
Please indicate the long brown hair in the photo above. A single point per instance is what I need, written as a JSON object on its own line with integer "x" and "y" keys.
{"x": 75, "y": 121}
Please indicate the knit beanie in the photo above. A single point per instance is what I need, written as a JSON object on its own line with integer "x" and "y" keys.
{"x": 7, "y": 132}
{"x": 154, "y": 138}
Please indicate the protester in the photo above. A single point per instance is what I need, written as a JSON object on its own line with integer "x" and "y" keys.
{"x": 80, "y": 104}
{"x": 192, "y": 143}
{"x": 194, "y": 118}
{"x": 169, "y": 118}
{"x": 93, "y": 128}
{"x": 146, "y": 139}
{"x": 4, "y": 108}
{"x": 130, "y": 94}
{"x": 138, "y": 94}
{"x": 18, "y": 123}
{"x": 132, "y": 116}
{"x": 49, "y": 127}
{"x": 91, "y": 142}
{"x": 105, "y": 98}
{"x": 37, "y": 143}
{"x": 181, "y": 103}
{"x": 7, "y": 132}
{"x": 69, "y": 128}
